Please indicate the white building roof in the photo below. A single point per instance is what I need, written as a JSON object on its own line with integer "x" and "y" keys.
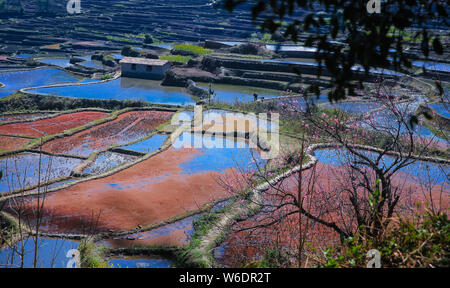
{"x": 144, "y": 61}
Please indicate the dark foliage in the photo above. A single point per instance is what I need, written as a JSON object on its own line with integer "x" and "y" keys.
{"x": 22, "y": 102}
{"x": 345, "y": 34}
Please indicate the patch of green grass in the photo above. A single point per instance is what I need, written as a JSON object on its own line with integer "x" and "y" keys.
{"x": 192, "y": 48}
{"x": 140, "y": 35}
{"x": 122, "y": 39}
{"x": 106, "y": 76}
{"x": 92, "y": 256}
{"x": 189, "y": 256}
{"x": 176, "y": 58}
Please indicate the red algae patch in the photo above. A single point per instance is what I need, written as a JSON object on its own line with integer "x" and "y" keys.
{"x": 147, "y": 193}
{"x": 126, "y": 128}
{"x": 12, "y": 143}
{"x": 243, "y": 247}
{"x": 50, "y": 126}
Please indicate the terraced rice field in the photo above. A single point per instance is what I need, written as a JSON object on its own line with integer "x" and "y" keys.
{"x": 355, "y": 107}
{"x": 175, "y": 234}
{"x": 12, "y": 143}
{"x": 106, "y": 161}
{"x": 128, "y": 127}
{"x": 151, "y": 191}
{"x": 123, "y": 89}
{"x": 148, "y": 145}
{"x": 33, "y": 78}
{"x": 22, "y": 170}
{"x": 53, "y": 125}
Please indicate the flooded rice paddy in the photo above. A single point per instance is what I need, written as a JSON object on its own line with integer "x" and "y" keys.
{"x": 177, "y": 233}
{"x": 33, "y": 78}
{"x": 180, "y": 179}
{"x": 217, "y": 119}
{"x": 355, "y": 107}
{"x": 231, "y": 94}
{"x": 106, "y": 161}
{"x": 124, "y": 89}
{"x": 51, "y": 253}
{"x": 23, "y": 170}
{"x": 148, "y": 145}
{"x": 139, "y": 262}
{"x": 441, "y": 108}
{"x": 21, "y": 117}
{"x": 61, "y": 62}
{"x": 419, "y": 170}
{"x": 434, "y": 66}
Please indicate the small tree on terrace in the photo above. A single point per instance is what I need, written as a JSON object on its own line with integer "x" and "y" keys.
{"x": 370, "y": 185}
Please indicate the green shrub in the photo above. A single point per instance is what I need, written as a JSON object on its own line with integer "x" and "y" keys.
{"x": 106, "y": 76}
{"x": 419, "y": 242}
{"x": 92, "y": 256}
{"x": 129, "y": 51}
{"x": 273, "y": 258}
{"x": 148, "y": 39}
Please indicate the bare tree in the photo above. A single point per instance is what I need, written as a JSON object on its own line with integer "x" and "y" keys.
{"x": 363, "y": 190}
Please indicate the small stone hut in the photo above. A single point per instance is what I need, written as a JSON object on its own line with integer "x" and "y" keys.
{"x": 144, "y": 68}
